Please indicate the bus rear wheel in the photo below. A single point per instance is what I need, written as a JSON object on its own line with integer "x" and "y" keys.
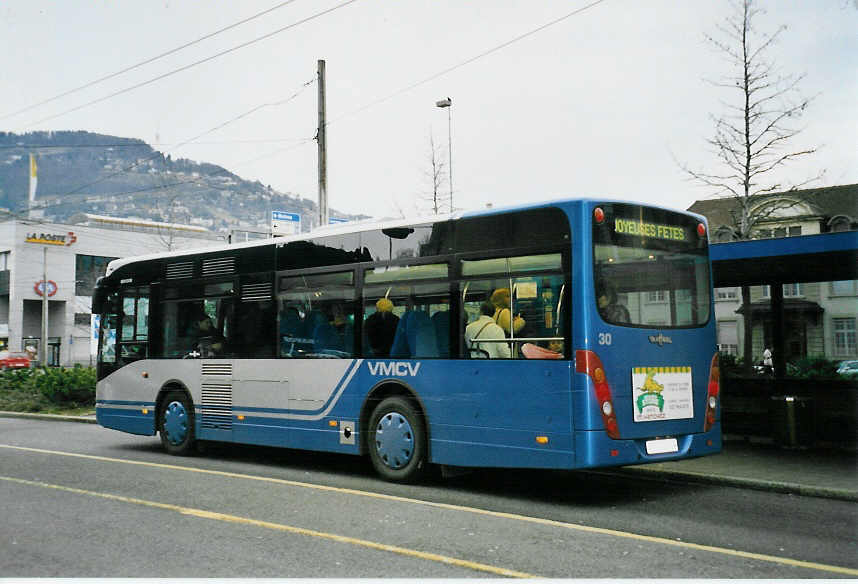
{"x": 397, "y": 441}
{"x": 176, "y": 424}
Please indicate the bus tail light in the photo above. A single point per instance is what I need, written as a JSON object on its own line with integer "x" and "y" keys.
{"x": 588, "y": 362}
{"x": 712, "y": 393}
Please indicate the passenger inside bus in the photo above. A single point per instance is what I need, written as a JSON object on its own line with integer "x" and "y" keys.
{"x": 611, "y": 311}
{"x": 486, "y": 329}
{"x": 332, "y": 333}
{"x": 208, "y": 341}
{"x": 381, "y": 328}
{"x": 501, "y": 300}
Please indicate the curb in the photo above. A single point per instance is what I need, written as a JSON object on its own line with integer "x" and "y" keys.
{"x": 639, "y": 471}
{"x": 741, "y": 482}
{"x": 53, "y": 417}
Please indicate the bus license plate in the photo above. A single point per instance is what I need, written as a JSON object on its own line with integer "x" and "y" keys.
{"x": 662, "y": 446}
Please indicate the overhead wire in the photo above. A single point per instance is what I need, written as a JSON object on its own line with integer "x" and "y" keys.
{"x": 186, "y": 142}
{"x": 142, "y": 144}
{"x": 465, "y": 62}
{"x": 138, "y": 162}
{"x": 148, "y": 61}
{"x": 378, "y": 101}
{"x": 194, "y": 64}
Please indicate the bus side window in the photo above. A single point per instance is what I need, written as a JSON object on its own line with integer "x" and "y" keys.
{"x": 317, "y": 315}
{"x": 253, "y": 336}
{"x": 199, "y": 328}
{"x": 527, "y": 294}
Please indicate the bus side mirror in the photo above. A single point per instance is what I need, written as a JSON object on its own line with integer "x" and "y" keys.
{"x": 102, "y": 300}
{"x": 99, "y": 295}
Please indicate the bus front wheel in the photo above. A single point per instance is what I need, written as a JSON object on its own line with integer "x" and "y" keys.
{"x": 397, "y": 441}
{"x": 176, "y": 424}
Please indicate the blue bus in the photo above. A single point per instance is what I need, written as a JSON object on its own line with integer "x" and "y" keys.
{"x": 569, "y": 334}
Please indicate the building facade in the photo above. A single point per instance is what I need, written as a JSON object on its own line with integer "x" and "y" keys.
{"x": 72, "y": 257}
{"x": 821, "y": 318}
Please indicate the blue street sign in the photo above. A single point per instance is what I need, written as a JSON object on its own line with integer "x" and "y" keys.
{"x": 285, "y": 216}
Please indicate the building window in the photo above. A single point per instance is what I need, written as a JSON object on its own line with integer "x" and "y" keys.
{"x": 840, "y": 223}
{"x": 728, "y": 337}
{"x": 723, "y": 235}
{"x": 728, "y": 349}
{"x": 844, "y": 337}
{"x": 4, "y": 260}
{"x": 789, "y": 290}
{"x": 844, "y": 288}
{"x": 656, "y": 296}
{"x": 795, "y": 231}
{"x": 764, "y": 233}
{"x": 87, "y": 270}
{"x": 726, "y": 294}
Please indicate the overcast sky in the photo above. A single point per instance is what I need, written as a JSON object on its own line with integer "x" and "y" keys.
{"x": 602, "y": 103}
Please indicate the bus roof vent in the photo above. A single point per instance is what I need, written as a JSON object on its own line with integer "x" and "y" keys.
{"x": 180, "y": 270}
{"x": 256, "y": 292}
{"x": 218, "y": 267}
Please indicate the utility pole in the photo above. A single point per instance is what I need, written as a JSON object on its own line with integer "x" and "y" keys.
{"x": 323, "y": 156}
{"x": 43, "y": 344}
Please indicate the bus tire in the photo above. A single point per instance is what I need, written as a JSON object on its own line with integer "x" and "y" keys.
{"x": 176, "y": 424}
{"x": 397, "y": 441}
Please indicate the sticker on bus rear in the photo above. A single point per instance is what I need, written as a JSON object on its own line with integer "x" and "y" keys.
{"x": 662, "y": 393}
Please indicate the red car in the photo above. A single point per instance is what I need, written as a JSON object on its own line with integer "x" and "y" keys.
{"x": 14, "y": 360}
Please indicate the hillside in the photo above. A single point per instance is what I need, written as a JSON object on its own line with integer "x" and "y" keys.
{"x": 125, "y": 177}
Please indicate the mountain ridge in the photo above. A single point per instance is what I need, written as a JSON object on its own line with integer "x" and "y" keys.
{"x": 86, "y": 172}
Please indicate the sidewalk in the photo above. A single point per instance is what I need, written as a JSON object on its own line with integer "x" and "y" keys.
{"x": 814, "y": 473}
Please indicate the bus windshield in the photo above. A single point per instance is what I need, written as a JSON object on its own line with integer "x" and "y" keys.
{"x": 651, "y": 267}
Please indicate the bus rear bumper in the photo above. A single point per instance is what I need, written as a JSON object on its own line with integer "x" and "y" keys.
{"x": 595, "y": 449}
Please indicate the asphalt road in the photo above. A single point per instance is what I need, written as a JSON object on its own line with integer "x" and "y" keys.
{"x": 79, "y": 501}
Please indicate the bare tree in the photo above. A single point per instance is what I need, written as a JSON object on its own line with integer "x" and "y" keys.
{"x": 167, "y": 208}
{"x": 435, "y": 176}
{"x": 752, "y": 139}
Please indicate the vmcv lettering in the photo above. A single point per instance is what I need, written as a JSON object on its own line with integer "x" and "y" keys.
{"x": 396, "y": 368}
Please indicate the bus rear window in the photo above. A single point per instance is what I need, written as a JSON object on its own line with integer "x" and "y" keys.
{"x": 651, "y": 267}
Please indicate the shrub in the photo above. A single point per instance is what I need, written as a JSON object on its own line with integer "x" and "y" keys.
{"x": 75, "y": 386}
{"x": 812, "y": 368}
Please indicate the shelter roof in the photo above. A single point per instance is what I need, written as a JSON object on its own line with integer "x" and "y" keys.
{"x": 807, "y": 258}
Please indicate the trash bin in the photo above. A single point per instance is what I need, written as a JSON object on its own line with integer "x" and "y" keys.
{"x": 792, "y": 421}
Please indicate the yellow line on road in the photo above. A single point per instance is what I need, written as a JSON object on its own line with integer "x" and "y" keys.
{"x": 512, "y": 516}
{"x": 203, "y": 514}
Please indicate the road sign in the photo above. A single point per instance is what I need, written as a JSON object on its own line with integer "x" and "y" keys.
{"x": 285, "y": 223}
{"x": 40, "y": 288}
{"x": 335, "y": 220}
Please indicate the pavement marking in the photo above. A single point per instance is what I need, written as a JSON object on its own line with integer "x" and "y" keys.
{"x": 203, "y": 514}
{"x": 499, "y": 514}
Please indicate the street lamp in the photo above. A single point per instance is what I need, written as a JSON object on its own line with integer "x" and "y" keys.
{"x": 448, "y": 103}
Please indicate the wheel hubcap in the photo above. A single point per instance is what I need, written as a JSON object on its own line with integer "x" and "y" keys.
{"x": 394, "y": 440}
{"x": 176, "y": 423}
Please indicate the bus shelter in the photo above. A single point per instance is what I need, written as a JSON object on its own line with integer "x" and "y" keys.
{"x": 774, "y": 262}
